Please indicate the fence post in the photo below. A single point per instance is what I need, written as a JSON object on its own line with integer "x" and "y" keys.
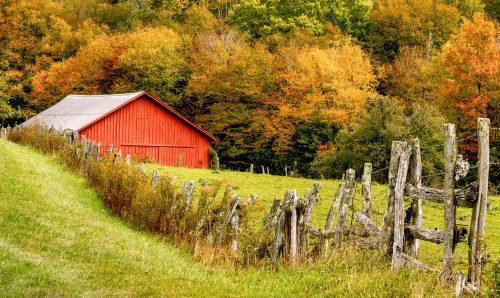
{"x": 416, "y": 180}
{"x": 263, "y": 170}
{"x": 286, "y": 172}
{"x": 331, "y": 215}
{"x": 310, "y": 199}
{"x": 347, "y": 195}
{"x": 366, "y": 189}
{"x": 251, "y": 168}
{"x": 450, "y": 152}
{"x": 97, "y": 151}
{"x": 110, "y": 149}
{"x": 293, "y": 228}
{"x": 187, "y": 191}
{"x": 155, "y": 178}
{"x": 476, "y": 235}
{"x": 398, "y": 244}
{"x": 387, "y": 231}
{"x": 127, "y": 159}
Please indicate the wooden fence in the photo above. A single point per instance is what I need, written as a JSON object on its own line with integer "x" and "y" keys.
{"x": 399, "y": 236}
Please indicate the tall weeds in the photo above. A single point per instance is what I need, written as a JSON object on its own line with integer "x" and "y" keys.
{"x": 201, "y": 226}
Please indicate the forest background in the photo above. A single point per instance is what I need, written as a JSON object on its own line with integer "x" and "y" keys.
{"x": 313, "y": 85}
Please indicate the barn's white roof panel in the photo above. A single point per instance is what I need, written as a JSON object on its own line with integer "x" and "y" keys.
{"x": 77, "y": 111}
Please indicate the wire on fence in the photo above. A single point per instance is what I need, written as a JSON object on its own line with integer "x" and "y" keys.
{"x": 380, "y": 170}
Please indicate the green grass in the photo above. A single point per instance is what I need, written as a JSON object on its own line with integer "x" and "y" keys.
{"x": 57, "y": 239}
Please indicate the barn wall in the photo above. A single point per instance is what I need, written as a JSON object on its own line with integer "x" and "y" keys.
{"x": 144, "y": 128}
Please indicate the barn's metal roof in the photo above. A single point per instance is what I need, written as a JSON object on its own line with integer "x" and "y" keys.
{"x": 76, "y": 111}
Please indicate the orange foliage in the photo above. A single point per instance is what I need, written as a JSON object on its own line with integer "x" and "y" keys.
{"x": 472, "y": 60}
{"x": 310, "y": 82}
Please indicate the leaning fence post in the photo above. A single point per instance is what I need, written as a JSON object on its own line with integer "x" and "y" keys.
{"x": 397, "y": 248}
{"x": 263, "y": 170}
{"x": 311, "y": 198}
{"x": 450, "y": 152}
{"x": 476, "y": 235}
{"x": 387, "y": 231}
{"x": 110, "y": 149}
{"x": 416, "y": 180}
{"x": 347, "y": 195}
{"x": 366, "y": 190}
{"x": 331, "y": 214}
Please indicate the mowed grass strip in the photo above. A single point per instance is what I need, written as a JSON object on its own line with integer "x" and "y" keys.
{"x": 57, "y": 239}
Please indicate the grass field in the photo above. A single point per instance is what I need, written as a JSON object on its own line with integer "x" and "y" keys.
{"x": 57, "y": 239}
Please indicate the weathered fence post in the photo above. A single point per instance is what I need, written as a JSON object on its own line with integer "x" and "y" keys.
{"x": 310, "y": 199}
{"x": 286, "y": 172}
{"x": 127, "y": 159}
{"x": 187, "y": 191}
{"x": 476, "y": 235}
{"x": 450, "y": 152}
{"x": 386, "y": 235}
{"x": 347, "y": 195}
{"x": 416, "y": 180}
{"x": 110, "y": 149}
{"x": 278, "y": 235}
{"x": 331, "y": 215}
{"x": 268, "y": 170}
{"x": 263, "y": 170}
{"x": 155, "y": 178}
{"x": 293, "y": 228}
{"x": 97, "y": 151}
{"x": 397, "y": 248}
{"x": 366, "y": 181}
{"x": 268, "y": 221}
{"x": 251, "y": 168}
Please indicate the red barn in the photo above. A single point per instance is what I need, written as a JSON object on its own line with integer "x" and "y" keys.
{"x": 137, "y": 123}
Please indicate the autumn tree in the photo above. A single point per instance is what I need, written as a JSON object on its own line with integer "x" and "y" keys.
{"x": 471, "y": 77}
{"x": 33, "y": 35}
{"x": 226, "y": 88}
{"x": 145, "y": 60}
{"x": 311, "y": 82}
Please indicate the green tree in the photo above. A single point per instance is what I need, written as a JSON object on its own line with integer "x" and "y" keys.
{"x": 369, "y": 139}
{"x": 258, "y": 18}
{"x": 407, "y": 23}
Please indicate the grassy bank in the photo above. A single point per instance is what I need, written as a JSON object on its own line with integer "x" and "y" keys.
{"x": 57, "y": 239}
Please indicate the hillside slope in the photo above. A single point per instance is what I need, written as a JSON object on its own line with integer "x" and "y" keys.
{"x": 57, "y": 239}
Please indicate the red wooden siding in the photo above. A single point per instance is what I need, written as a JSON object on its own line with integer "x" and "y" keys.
{"x": 144, "y": 128}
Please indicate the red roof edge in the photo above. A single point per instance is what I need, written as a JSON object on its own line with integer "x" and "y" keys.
{"x": 165, "y": 106}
